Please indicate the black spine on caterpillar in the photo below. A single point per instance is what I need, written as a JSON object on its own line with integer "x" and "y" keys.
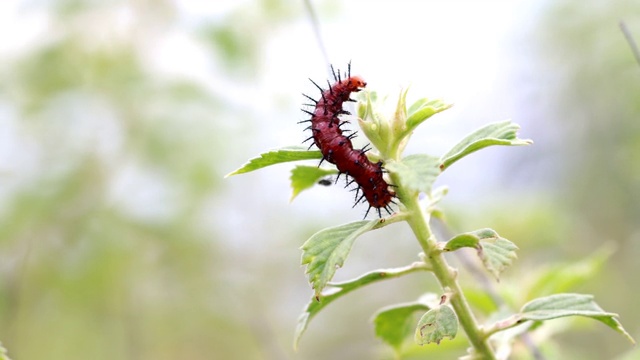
{"x": 337, "y": 148}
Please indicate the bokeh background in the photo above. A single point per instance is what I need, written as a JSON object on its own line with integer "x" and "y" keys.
{"x": 120, "y": 238}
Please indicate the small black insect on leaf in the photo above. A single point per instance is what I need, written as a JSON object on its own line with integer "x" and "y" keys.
{"x": 325, "y": 182}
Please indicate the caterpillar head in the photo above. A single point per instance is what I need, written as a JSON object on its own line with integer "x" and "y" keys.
{"x": 355, "y": 83}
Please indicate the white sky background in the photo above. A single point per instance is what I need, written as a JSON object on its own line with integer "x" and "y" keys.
{"x": 461, "y": 51}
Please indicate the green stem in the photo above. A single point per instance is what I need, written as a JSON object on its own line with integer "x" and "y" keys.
{"x": 419, "y": 222}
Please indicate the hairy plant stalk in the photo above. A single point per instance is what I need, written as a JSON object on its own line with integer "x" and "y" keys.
{"x": 419, "y": 222}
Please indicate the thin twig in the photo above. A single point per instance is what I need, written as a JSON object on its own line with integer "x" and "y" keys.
{"x": 315, "y": 24}
{"x": 631, "y": 41}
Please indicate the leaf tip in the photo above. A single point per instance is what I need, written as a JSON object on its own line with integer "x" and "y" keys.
{"x": 303, "y": 321}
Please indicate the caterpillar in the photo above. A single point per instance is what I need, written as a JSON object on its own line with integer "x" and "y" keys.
{"x": 336, "y": 148}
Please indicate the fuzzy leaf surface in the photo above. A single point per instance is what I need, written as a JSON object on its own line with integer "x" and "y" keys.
{"x": 326, "y": 250}
{"x": 500, "y": 133}
{"x": 495, "y": 252}
{"x": 423, "y": 109}
{"x": 436, "y": 324}
{"x": 277, "y": 156}
{"x": 417, "y": 172}
{"x": 304, "y": 177}
{"x": 393, "y": 324}
{"x": 562, "y": 305}
{"x": 318, "y": 303}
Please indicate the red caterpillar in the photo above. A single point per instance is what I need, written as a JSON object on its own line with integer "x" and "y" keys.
{"x": 337, "y": 149}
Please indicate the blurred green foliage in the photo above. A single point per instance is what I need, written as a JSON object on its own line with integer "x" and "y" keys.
{"x": 102, "y": 249}
{"x": 110, "y": 239}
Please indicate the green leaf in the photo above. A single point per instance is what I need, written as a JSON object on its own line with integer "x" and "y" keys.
{"x": 416, "y": 172}
{"x": 393, "y": 323}
{"x": 304, "y": 177}
{"x": 400, "y": 117}
{"x": 277, "y": 156}
{"x": 374, "y": 124}
{"x": 423, "y": 109}
{"x": 318, "y": 303}
{"x": 436, "y": 324}
{"x": 558, "y": 306}
{"x": 366, "y": 100}
{"x": 418, "y": 104}
{"x": 495, "y": 252}
{"x": 562, "y": 305}
{"x": 500, "y": 133}
{"x": 327, "y": 249}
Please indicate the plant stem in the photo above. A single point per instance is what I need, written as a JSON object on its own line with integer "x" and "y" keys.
{"x": 419, "y": 222}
